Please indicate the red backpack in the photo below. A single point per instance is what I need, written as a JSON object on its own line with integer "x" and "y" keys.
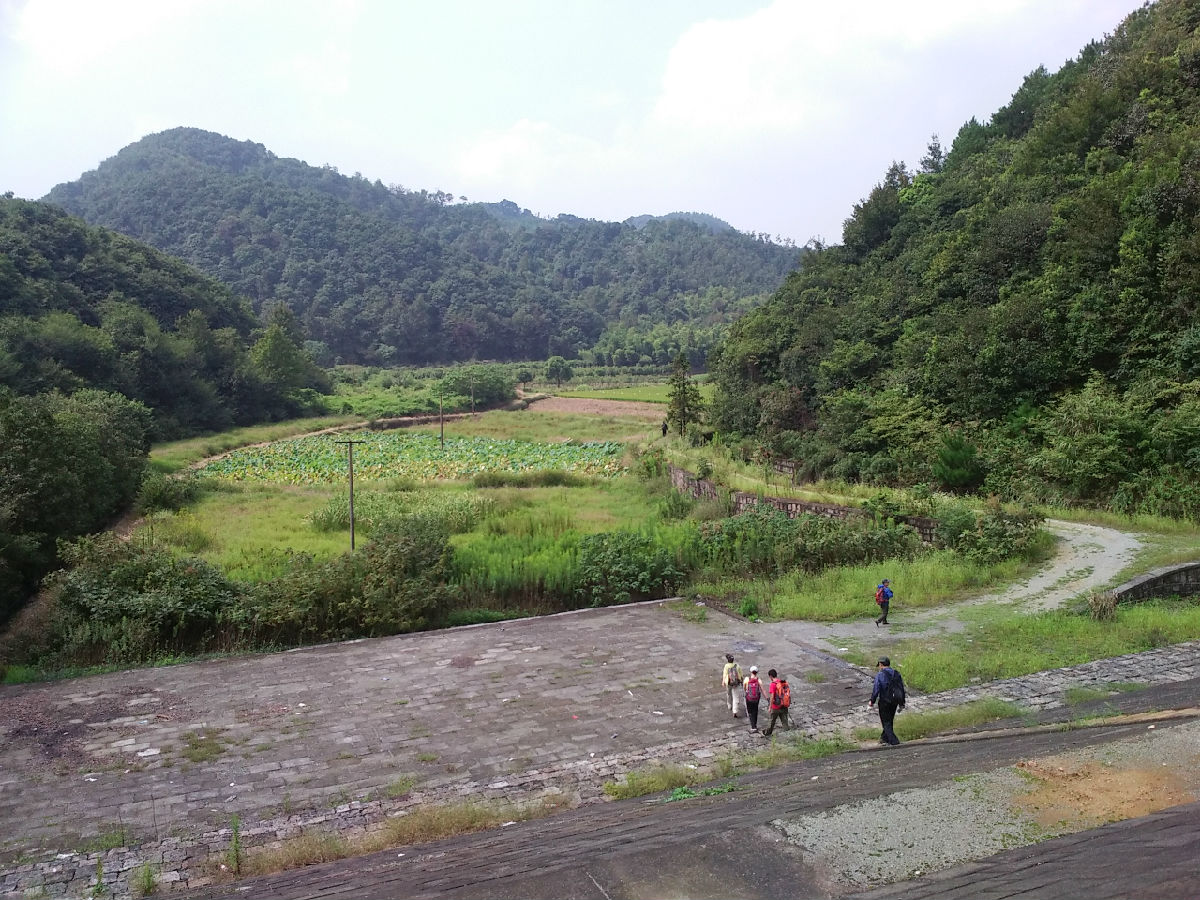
{"x": 785, "y": 695}
{"x": 753, "y": 688}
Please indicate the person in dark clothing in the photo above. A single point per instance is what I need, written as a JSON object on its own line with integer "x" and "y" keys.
{"x": 883, "y": 596}
{"x": 664, "y": 428}
{"x": 890, "y": 694}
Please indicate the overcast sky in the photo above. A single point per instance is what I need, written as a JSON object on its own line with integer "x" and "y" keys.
{"x": 775, "y": 116}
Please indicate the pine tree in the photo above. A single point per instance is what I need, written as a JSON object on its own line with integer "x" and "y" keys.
{"x": 684, "y": 403}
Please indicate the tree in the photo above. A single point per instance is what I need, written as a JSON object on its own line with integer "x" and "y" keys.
{"x": 684, "y": 403}
{"x": 559, "y": 370}
{"x": 934, "y": 158}
{"x": 524, "y": 376}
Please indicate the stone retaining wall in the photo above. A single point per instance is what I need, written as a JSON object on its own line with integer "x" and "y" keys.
{"x": 1180, "y": 580}
{"x": 740, "y": 501}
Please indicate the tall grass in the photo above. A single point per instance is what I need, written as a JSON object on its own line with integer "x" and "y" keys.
{"x": 932, "y": 579}
{"x": 1015, "y": 644}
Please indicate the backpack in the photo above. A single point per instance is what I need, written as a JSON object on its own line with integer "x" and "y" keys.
{"x": 879, "y": 598}
{"x": 785, "y": 695}
{"x": 735, "y": 675}
{"x": 753, "y": 689}
{"x": 893, "y": 692}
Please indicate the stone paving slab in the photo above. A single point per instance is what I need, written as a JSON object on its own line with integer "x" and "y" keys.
{"x": 345, "y": 734}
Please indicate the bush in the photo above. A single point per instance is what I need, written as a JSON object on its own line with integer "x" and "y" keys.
{"x": 161, "y": 492}
{"x": 122, "y": 602}
{"x": 621, "y": 566}
{"x": 397, "y": 583}
{"x": 989, "y": 536}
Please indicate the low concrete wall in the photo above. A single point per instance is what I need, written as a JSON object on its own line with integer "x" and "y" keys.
{"x": 741, "y": 501}
{"x": 1179, "y": 580}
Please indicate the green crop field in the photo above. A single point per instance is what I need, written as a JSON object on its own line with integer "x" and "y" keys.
{"x": 410, "y": 454}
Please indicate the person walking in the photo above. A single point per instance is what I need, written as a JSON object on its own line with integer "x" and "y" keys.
{"x": 780, "y": 696}
{"x": 731, "y": 677}
{"x": 752, "y": 691}
{"x": 889, "y": 692}
{"x": 883, "y": 596}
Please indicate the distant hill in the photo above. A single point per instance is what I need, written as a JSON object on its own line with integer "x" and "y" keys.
{"x": 384, "y": 275}
{"x": 1019, "y": 313}
{"x": 704, "y": 220}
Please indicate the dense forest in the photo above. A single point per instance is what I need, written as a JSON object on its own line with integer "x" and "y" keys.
{"x": 1018, "y": 314}
{"x": 106, "y": 344}
{"x": 382, "y": 275}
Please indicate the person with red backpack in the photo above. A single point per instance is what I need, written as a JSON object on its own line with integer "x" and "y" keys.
{"x": 752, "y": 690}
{"x": 780, "y": 696}
{"x": 883, "y": 597}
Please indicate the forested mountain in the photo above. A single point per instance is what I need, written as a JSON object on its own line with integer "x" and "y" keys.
{"x": 1019, "y": 313}
{"x": 83, "y": 307}
{"x": 379, "y": 274}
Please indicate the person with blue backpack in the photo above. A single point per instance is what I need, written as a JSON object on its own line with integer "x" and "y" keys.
{"x": 889, "y": 692}
{"x": 883, "y": 596}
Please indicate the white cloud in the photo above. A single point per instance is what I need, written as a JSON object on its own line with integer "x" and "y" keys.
{"x": 69, "y": 35}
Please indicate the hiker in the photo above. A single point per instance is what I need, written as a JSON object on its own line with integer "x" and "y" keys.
{"x": 731, "y": 677}
{"x": 780, "y": 696}
{"x": 883, "y": 596}
{"x": 752, "y": 691}
{"x": 664, "y": 427}
{"x": 889, "y": 691}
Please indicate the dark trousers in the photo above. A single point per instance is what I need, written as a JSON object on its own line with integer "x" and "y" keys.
{"x": 778, "y": 715}
{"x": 887, "y": 715}
{"x": 883, "y": 608}
{"x": 752, "y": 712}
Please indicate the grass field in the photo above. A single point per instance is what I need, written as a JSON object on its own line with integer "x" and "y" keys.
{"x": 643, "y": 393}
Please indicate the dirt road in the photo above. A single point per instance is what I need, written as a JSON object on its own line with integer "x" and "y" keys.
{"x": 1087, "y": 558}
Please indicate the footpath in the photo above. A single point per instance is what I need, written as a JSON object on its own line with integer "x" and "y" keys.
{"x": 340, "y": 737}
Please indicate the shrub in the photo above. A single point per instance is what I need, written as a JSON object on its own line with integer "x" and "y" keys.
{"x": 675, "y": 505}
{"x": 988, "y": 536}
{"x": 162, "y": 492}
{"x": 621, "y": 566}
{"x": 122, "y": 602}
{"x": 397, "y": 583}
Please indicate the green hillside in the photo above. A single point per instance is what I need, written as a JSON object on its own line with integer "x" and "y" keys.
{"x": 1018, "y": 314}
{"x": 383, "y": 275}
{"x": 83, "y": 307}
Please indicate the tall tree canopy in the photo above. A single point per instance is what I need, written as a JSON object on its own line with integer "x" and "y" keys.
{"x": 1044, "y": 266}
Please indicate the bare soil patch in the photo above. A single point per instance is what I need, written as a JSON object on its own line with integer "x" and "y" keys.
{"x": 589, "y": 407}
{"x": 1091, "y": 794}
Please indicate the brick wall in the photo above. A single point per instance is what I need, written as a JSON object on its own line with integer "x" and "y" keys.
{"x": 1182, "y": 580}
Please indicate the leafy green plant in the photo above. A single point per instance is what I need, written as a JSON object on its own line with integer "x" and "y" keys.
{"x": 620, "y": 566}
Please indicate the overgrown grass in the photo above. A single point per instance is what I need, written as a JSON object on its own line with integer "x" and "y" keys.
{"x": 1075, "y": 696}
{"x": 1016, "y": 644}
{"x": 175, "y": 455}
{"x": 640, "y": 782}
{"x": 913, "y": 725}
{"x": 247, "y": 531}
{"x": 420, "y": 825}
{"x": 659, "y": 778}
{"x": 932, "y": 579}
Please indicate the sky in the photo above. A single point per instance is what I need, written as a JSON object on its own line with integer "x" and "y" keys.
{"x": 774, "y": 116}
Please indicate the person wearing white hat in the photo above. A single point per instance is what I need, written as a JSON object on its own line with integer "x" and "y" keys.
{"x": 752, "y": 691}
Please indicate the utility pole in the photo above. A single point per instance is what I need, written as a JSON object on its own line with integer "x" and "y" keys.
{"x": 350, "y": 453}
